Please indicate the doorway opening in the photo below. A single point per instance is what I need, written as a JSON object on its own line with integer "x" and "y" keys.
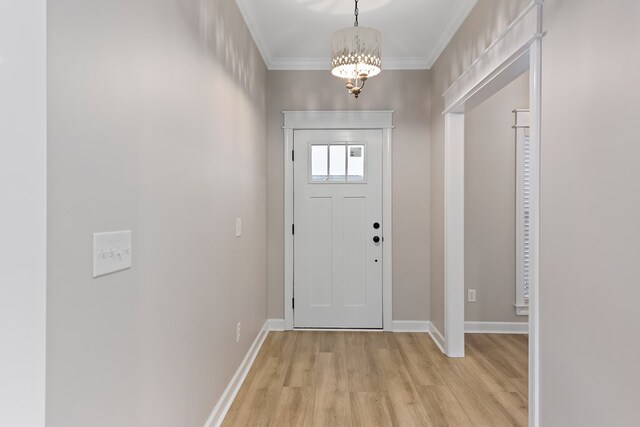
{"x": 516, "y": 51}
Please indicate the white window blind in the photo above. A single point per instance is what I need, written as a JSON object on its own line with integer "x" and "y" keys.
{"x": 524, "y": 181}
{"x": 526, "y": 214}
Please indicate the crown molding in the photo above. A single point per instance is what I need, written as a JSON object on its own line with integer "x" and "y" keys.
{"x": 254, "y": 28}
{"x": 300, "y": 64}
{"x": 449, "y": 29}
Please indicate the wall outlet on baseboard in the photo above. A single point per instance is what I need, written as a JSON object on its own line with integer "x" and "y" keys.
{"x": 471, "y": 295}
{"x": 238, "y": 331}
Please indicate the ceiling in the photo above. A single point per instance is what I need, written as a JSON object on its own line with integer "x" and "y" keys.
{"x": 295, "y": 34}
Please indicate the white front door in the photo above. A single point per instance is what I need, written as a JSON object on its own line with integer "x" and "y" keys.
{"x": 338, "y": 228}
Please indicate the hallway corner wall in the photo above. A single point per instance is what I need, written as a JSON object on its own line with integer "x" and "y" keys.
{"x": 590, "y": 198}
{"x": 157, "y": 124}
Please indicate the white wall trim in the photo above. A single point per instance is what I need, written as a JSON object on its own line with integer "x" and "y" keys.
{"x": 437, "y": 337}
{"x": 397, "y": 326}
{"x": 371, "y": 119}
{"x": 224, "y": 403}
{"x": 411, "y": 326}
{"x": 288, "y": 236}
{"x": 378, "y": 119}
{"x": 387, "y": 229}
{"x": 276, "y": 325}
{"x": 505, "y": 50}
{"x": 496, "y": 327}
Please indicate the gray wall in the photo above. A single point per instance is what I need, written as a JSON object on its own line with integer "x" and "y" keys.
{"x": 590, "y": 197}
{"x": 157, "y": 120}
{"x": 489, "y": 200}
{"x": 487, "y": 20}
{"x": 406, "y": 92}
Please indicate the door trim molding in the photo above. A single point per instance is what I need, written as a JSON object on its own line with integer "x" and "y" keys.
{"x": 323, "y": 120}
{"x": 374, "y": 119}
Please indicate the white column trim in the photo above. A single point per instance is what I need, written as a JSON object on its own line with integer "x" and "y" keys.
{"x": 454, "y": 234}
{"x": 535, "y": 106}
{"x": 379, "y": 119}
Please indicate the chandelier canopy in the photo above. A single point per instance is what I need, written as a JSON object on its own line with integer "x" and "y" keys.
{"x": 356, "y": 55}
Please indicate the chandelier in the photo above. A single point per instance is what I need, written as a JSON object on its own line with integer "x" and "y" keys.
{"x": 355, "y": 55}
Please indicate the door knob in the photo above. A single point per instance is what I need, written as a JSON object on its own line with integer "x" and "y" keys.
{"x": 376, "y": 225}
{"x": 376, "y": 239}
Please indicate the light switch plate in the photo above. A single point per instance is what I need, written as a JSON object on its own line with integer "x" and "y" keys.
{"x": 111, "y": 252}
{"x": 238, "y": 227}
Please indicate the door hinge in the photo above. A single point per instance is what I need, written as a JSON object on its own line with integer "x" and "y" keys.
{"x": 293, "y": 229}
{"x": 293, "y": 157}
{"x": 293, "y": 303}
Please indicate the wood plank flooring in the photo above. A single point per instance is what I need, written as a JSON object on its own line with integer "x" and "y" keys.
{"x": 304, "y": 378}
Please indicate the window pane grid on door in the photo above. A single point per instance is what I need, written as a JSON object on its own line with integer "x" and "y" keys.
{"x": 337, "y": 163}
{"x": 319, "y": 161}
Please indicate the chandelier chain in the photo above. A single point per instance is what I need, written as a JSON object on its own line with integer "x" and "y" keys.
{"x": 355, "y": 24}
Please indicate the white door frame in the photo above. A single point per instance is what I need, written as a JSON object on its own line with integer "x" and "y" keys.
{"x": 518, "y": 49}
{"x": 382, "y": 120}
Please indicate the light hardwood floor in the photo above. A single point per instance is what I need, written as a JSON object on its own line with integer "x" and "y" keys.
{"x": 368, "y": 379}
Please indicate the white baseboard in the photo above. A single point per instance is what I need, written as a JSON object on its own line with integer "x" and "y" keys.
{"x": 496, "y": 327}
{"x": 229, "y": 394}
{"x": 436, "y": 336}
{"x": 410, "y": 325}
{"x": 276, "y": 324}
{"x": 396, "y": 325}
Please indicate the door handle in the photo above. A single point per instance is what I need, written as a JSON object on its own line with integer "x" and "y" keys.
{"x": 376, "y": 225}
{"x": 376, "y": 239}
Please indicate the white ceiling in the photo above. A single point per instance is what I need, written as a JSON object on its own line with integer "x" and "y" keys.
{"x": 295, "y": 34}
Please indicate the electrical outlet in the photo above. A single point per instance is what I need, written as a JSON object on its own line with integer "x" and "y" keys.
{"x": 471, "y": 295}
{"x": 238, "y": 331}
{"x": 238, "y": 227}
